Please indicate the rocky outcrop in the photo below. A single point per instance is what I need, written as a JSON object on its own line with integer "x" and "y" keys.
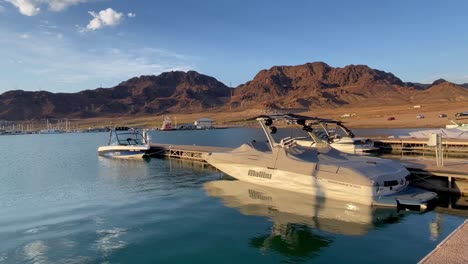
{"x": 316, "y": 84}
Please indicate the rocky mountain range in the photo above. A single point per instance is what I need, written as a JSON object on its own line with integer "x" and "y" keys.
{"x": 169, "y": 91}
{"x": 300, "y": 87}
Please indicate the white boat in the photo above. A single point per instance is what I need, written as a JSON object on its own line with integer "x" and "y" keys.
{"x": 457, "y": 125}
{"x": 51, "y": 131}
{"x": 453, "y": 131}
{"x": 320, "y": 171}
{"x": 126, "y": 143}
{"x": 167, "y": 124}
{"x": 287, "y": 209}
{"x": 338, "y": 136}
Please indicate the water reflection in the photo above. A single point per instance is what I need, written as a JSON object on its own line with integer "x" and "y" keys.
{"x": 295, "y": 215}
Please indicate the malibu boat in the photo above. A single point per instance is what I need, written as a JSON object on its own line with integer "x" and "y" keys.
{"x": 337, "y": 135}
{"x": 319, "y": 170}
{"x": 126, "y": 143}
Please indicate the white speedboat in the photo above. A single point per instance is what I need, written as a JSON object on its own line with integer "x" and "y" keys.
{"x": 287, "y": 208}
{"x": 126, "y": 143}
{"x": 320, "y": 171}
{"x": 338, "y": 136}
{"x": 457, "y": 125}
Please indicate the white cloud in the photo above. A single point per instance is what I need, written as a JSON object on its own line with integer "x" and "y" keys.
{"x": 107, "y": 17}
{"x": 59, "y": 5}
{"x": 26, "y": 7}
{"x": 131, "y": 15}
{"x": 24, "y": 36}
{"x": 32, "y": 7}
{"x": 57, "y": 64}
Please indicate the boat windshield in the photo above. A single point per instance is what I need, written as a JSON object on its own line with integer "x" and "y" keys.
{"x": 126, "y": 138}
{"x": 318, "y": 130}
{"x": 328, "y": 131}
{"x": 285, "y": 130}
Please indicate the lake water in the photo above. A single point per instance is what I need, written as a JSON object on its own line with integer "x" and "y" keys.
{"x": 61, "y": 203}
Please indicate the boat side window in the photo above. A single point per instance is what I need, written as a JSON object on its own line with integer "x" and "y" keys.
{"x": 123, "y": 142}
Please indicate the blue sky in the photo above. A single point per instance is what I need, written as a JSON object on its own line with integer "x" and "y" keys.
{"x": 72, "y": 45}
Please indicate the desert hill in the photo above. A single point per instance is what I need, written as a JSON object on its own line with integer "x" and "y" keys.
{"x": 318, "y": 84}
{"x": 311, "y": 85}
{"x": 169, "y": 91}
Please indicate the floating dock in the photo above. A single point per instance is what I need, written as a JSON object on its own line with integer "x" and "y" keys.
{"x": 414, "y": 146}
{"x": 453, "y": 177}
{"x": 453, "y": 249}
{"x": 187, "y": 152}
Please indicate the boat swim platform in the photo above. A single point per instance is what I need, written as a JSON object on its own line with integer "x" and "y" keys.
{"x": 453, "y": 249}
{"x": 419, "y": 146}
{"x": 453, "y": 177}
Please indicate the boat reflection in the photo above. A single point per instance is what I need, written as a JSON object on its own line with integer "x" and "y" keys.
{"x": 296, "y": 215}
{"x": 287, "y": 208}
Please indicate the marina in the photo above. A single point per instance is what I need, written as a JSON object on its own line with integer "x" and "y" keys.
{"x": 64, "y": 203}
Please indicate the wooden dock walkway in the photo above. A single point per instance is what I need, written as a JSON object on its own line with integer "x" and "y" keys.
{"x": 452, "y": 177}
{"x": 454, "y": 249}
{"x": 188, "y": 152}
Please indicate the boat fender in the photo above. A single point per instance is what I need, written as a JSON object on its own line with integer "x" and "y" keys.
{"x": 273, "y": 129}
{"x": 268, "y": 122}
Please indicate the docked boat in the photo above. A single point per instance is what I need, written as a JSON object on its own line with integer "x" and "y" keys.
{"x": 338, "y": 136}
{"x": 455, "y": 130}
{"x": 320, "y": 170}
{"x": 287, "y": 209}
{"x": 457, "y": 125}
{"x": 126, "y": 143}
{"x": 51, "y": 131}
{"x": 167, "y": 124}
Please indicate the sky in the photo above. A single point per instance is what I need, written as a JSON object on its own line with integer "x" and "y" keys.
{"x": 73, "y": 45}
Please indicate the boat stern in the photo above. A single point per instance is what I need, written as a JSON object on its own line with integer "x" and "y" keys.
{"x": 411, "y": 198}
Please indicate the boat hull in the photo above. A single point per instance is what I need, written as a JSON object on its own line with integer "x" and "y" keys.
{"x": 323, "y": 186}
{"x": 122, "y": 152}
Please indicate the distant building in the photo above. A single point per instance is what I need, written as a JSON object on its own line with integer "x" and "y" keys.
{"x": 204, "y": 123}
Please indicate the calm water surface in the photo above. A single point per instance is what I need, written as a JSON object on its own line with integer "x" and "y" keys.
{"x": 61, "y": 203}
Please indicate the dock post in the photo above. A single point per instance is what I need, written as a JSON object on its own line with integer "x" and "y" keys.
{"x": 449, "y": 178}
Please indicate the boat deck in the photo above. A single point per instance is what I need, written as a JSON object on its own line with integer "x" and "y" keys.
{"x": 454, "y": 249}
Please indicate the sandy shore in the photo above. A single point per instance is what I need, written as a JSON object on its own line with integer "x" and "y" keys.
{"x": 363, "y": 117}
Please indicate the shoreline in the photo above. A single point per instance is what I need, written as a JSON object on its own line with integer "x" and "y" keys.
{"x": 369, "y": 117}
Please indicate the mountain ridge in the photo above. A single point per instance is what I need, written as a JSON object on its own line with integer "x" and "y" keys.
{"x": 303, "y": 86}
